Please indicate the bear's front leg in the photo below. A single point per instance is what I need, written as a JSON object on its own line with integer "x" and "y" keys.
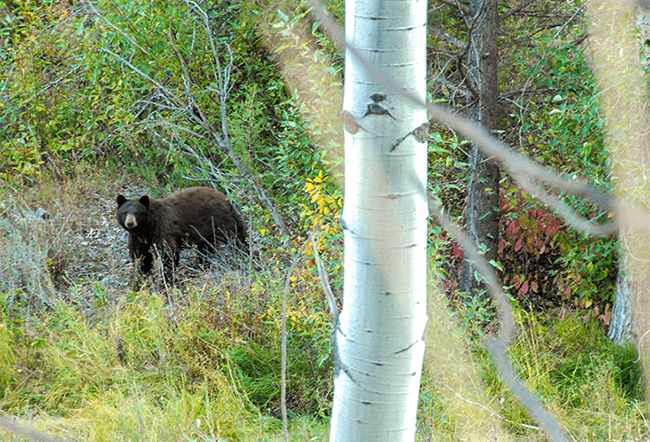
{"x": 170, "y": 258}
{"x": 141, "y": 255}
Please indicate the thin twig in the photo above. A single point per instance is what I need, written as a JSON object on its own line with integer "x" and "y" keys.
{"x": 463, "y": 8}
{"x": 493, "y": 413}
{"x": 447, "y": 36}
{"x": 567, "y": 22}
{"x": 193, "y": 111}
{"x": 324, "y": 280}
{"x": 116, "y": 29}
{"x": 586, "y": 226}
{"x": 521, "y": 5}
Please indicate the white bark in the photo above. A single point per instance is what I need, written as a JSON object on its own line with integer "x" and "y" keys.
{"x": 379, "y": 336}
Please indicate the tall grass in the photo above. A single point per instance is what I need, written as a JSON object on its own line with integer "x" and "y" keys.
{"x": 141, "y": 372}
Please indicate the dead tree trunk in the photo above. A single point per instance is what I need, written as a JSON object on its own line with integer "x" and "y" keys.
{"x": 483, "y": 188}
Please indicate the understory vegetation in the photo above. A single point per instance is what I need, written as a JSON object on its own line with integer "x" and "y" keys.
{"x": 140, "y": 98}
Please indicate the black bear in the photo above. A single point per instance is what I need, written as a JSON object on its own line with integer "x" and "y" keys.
{"x": 198, "y": 216}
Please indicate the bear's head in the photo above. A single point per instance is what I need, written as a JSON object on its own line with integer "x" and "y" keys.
{"x": 132, "y": 214}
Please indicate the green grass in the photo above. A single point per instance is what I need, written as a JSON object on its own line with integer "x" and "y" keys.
{"x": 141, "y": 371}
{"x": 592, "y": 385}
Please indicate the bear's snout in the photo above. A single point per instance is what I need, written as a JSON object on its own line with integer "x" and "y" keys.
{"x": 130, "y": 222}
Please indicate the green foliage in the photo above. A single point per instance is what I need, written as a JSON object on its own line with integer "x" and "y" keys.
{"x": 20, "y": 159}
{"x": 256, "y": 360}
{"x": 97, "y": 362}
{"x": 474, "y": 312}
{"x": 108, "y": 89}
{"x": 448, "y": 169}
{"x": 58, "y": 102}
{"x": 557, "y": 120}
{"x": 565, "y": 130}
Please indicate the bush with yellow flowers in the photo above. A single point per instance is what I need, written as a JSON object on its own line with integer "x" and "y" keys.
{"x": 322, "y": 214}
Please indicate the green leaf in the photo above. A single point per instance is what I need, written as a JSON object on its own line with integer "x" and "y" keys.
{"x": 496, "y": 265}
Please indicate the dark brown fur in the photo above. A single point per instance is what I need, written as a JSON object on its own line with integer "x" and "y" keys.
{"x": 198, "y": 216}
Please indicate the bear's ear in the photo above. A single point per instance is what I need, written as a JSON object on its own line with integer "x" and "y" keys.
{"x": 120, "y": 200}
{"x": 144, "y": 200}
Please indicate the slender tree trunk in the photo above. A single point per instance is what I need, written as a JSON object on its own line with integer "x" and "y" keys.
{"x": 378, "y": 338}
{"x": 620, "y": 326}
{"x": 481, "y": 209}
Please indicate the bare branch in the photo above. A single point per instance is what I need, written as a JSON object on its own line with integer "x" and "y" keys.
{"x": 534, "y": 406}
{"x": 166, "y": 91}
{"x": 568, "y": 21}
{"x": 190, "y": 108}
{"x": 493, "y": 413}
{"x": 521, "y": 5}
{"x": 497, "y": 345}
{"x": 455, "y": 3}
{"x": 567, "y": 213}
{"x": 526, "y": 91}
{"x": 222, "y": 75}
{"x": 455, "y": 89}
{"x": 463, "y": 53}
{"x": 116, "y": 29}
{"x": 446, "y": 35}
{"x": 283, "y": 372}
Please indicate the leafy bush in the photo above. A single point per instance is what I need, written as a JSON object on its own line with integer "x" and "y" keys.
{"x": 549, "y": 263}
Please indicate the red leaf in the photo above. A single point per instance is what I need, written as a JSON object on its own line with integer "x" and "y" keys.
{"x": 518, "y": 244}
{"x": 524, "y": 287}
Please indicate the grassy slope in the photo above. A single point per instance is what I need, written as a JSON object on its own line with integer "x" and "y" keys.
{"x": 86, "y": 358}
{"x": 89, "y": 359}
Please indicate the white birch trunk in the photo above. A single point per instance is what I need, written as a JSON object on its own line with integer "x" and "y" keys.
{"x": 379, "y": 336}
